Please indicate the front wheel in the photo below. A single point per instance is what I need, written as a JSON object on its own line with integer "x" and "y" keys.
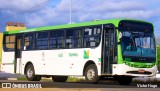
{"x": 91, "y": 74}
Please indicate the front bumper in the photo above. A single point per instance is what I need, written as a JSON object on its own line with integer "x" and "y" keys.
{"x": 123, "y": 69}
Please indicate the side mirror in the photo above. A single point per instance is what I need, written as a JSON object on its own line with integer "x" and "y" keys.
{"x": 120, "y": 38}
{"x": 119, "y": 43}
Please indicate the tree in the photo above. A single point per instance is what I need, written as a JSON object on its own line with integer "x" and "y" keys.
{"x": 158, "y": 56}
{"x": 158, "y": 40}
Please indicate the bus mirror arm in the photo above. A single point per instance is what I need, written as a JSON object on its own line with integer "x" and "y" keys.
{"x": 119, "y": 43}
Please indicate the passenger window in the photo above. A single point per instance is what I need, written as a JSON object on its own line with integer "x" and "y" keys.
{"x": 70, "y": 38}
{"x": 29, "y": 41}
{"x": 41, "y": 40}
{"x": 60, "y": 36}
{"x": 79, "y": 38}
{"x": 53, "y": 39}
{"x": 91, "y": 36}
{"x": 9, "y": 43}
{"x": 73, "y": 38}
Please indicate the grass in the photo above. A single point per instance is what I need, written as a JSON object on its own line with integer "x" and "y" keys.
{"x": 70, "y": 79}
{"x": 23, "y": 78}
{"x": 147, "y": 81}
{"x": 74, "y": 79}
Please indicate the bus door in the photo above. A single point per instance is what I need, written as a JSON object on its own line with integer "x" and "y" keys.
{"x": 108, "y": 48}
{"x": 18, "y": 54}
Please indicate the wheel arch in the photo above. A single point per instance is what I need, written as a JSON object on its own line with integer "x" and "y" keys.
{"x": 89, "y": 62}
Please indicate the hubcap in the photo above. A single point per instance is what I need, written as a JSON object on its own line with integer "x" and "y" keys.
{"x": 30, "y": 72}
{"x": 91, "y": 74}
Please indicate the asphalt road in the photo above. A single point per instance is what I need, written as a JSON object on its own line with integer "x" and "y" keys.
{"x": 79, "y": 86}
{"x": 101, "y": 84}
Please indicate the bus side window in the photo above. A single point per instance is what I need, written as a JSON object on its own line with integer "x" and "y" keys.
{"x": 69, "y": 38}
{"x": 26, "y": 41}
{"x": 87, "y": 33}
{"x": 79, "y": 38}
{"x": 72, "y": 38}
{"x": 60, "y": 40}
{"x": 97, "y": 35}
{"x": 53, "y": 39}
{"x": 91, "y": 37}
{"x": 41, "y": 40}
{"x": 29, "y": 41}
{"x": 9, "y": 43}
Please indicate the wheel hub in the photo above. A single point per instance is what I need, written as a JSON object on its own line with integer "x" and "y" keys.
{"x": 30, "y": 72}
{"x": 91, "y": 74}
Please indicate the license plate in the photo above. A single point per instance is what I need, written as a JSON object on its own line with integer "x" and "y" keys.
{"x": 141, "y": 71}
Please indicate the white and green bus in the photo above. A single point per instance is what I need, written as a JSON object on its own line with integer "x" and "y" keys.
{"x": 118, "y": 48}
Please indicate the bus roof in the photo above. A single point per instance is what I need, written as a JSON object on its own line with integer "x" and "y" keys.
{"x": 113, "y": 21}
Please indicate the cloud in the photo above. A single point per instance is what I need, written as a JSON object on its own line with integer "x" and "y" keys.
{"x": 12, "y": 7}
{"x": 93, "y": 9}
{"x": 41, "y": 18}
{"x": 19, "y": 4}
{"x": 141, "y": 14}
{"x": 156, "y": 26}
{"x": 116, "y": 6}
{"x": 82, "y": 10}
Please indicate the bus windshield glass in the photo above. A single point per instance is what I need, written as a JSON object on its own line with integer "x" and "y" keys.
{"x": 138, "y": 44}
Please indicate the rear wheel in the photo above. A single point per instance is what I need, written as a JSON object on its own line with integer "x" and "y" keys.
{"x": 124, "y": 80}
{"x": 59, "y": 78}
{"x": 30, "y": 74}
{"x": 38, "y": 78}
{"x": 91, "y": 74}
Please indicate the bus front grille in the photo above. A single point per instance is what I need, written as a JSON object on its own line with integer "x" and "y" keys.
{"x": 136, "y": 72}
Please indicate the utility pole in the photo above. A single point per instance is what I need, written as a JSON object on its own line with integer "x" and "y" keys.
{"x": 70, "y": 11}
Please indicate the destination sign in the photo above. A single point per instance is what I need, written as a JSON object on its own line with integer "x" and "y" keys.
{"x": 135, "y": 25}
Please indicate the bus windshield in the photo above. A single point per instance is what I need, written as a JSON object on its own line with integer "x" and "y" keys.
{"x": 138, "y": 44}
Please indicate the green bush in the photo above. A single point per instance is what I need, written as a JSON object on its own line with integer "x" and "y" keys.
{"x": 158, "y": 56}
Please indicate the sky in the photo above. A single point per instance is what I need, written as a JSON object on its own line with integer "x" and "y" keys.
{"x": 37, "y": 13}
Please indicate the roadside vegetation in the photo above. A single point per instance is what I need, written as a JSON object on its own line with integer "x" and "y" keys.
{"x": 74, "y": 79}
{"x": 154, "y": 81}
{"x": 158, "y": 56}
{"x": 70, "y": 79}
{"x": 22, "y": 78}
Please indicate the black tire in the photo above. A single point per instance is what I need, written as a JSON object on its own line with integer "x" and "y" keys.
{"x": 30, "y": 74}
{"x": 91, "y": 74}
{"x": 59, "y": 78}
{"x": 38, "y": 78}
{"x": 124, "y": 80}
